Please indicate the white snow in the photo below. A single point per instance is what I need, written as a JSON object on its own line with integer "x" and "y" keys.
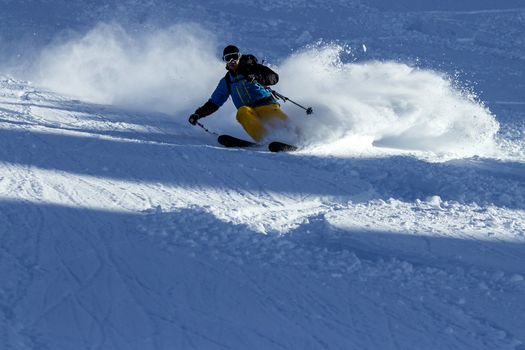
{"x": 399, "y": 225}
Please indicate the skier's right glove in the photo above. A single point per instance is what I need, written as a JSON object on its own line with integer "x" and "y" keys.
{"x": 194, "y": 118}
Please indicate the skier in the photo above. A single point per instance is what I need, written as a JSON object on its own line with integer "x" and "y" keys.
{"x": 245, "y": 81}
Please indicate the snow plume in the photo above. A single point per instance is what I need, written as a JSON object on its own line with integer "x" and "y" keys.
{"x": 385, "y": 104}
{"x": 165, "y": 70}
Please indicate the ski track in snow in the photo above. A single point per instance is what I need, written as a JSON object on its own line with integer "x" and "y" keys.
{"x": 126, "y": 231}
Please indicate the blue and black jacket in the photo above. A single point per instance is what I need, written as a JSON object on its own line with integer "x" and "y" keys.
{"x": 246, "y": 88}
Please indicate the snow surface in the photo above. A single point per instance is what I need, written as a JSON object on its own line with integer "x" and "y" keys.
{"x": 400, "y": 224}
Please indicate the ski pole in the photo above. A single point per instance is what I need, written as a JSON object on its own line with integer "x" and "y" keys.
{"x": 205, "y": 129}
{"x": 308, "y": 110}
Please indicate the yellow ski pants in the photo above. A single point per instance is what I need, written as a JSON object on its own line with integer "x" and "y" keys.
{"x": 257, "y": 120}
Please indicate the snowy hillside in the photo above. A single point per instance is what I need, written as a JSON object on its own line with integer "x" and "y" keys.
{"x": 399, "y": 224}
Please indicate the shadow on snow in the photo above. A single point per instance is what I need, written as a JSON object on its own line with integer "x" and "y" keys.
{"x": 184, "y": 164}
{"x": 76, "y": 276}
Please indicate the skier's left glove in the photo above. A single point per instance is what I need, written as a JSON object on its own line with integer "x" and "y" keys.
{"x": 203, "y": 111}
{"x": 194, "y": 118}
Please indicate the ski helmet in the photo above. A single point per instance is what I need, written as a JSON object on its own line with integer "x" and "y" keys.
{"x": 230, "y": 51}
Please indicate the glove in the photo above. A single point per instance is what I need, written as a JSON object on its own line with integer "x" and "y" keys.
{"x": 247, "y": 65}
{"x": 194, "y": 118}
{"x": 248, "y": 61}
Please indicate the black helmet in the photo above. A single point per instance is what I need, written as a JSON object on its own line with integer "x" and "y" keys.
{"x": 229, "y": 52}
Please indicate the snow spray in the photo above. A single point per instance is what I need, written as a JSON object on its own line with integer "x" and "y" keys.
{"x": 385, "y": 104}
{"x": 165, "y": 70}
{"x": 374, "y": 104}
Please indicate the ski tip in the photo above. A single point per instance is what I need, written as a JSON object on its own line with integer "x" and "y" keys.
{"x": 230, "y": 141}
{"x": 281, "y": 147}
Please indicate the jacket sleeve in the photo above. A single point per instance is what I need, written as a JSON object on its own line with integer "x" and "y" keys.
{"x": 221, "y": 93}
{"x": 206, "y": 109}
{"x": 218, "y": 97}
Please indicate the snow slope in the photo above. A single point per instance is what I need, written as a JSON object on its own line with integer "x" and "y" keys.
{"x": 123, "y": 227}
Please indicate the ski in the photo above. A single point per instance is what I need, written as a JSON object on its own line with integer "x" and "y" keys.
{"x": 277, "y": 146}
{"x": 234, "y": 142}
{"x": 230, "y": 141}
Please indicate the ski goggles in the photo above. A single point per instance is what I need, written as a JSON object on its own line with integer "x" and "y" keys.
{"x": 231, "y": 56}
